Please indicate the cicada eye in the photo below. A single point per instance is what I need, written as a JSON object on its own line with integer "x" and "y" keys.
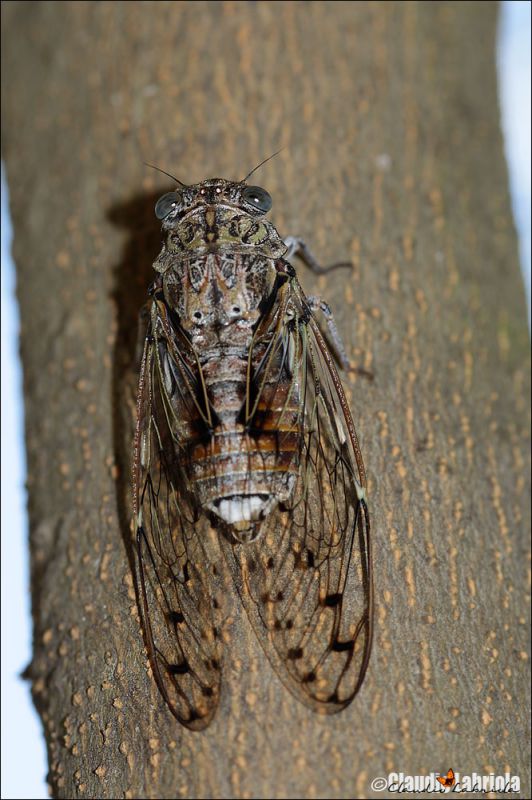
{"x": 258, "y": 198}
{"x": 166, "y": 204}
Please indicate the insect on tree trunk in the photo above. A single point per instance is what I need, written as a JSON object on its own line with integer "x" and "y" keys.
{"x": 394, "y": 161}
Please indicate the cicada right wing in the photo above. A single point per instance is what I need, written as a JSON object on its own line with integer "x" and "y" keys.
{"x": 176, "y": 579}
{"x": 306, "y": 580}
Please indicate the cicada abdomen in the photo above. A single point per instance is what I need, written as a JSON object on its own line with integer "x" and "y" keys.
{"x": 243, "y": 423}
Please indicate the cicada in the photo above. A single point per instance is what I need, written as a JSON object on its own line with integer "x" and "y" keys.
{"x": 243, "y": 428}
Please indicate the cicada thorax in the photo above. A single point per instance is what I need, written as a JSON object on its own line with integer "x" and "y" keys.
{"x": 217, "y": 230}
{"x": 241, "y": 438}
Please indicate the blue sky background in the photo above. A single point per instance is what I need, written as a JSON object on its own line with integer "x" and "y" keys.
{"x": 24, "y": 766}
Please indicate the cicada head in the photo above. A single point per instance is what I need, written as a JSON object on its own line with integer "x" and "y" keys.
{"x": 253, "y": 200}
{"x": 215, "y": 215}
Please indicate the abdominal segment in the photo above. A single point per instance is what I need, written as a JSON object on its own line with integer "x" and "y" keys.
{"x": 248, "y": 463}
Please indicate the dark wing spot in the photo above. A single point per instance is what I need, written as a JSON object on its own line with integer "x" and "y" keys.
{"x": 289, "y": 624}
{"x": 310, "y": 559}
{"x": 310, "y": 677}
{"x": 215, "y": 603}
{"x": 295, "y": 653}
{"x": 252, "y": 565}
{"x": 175, "y": 617}
{"x": 340, "y": 647}
{"x": 179, "y": 669}
{"x": 215, "y": 664}
{"x": 270, "y": 563}
{"x": 332, "y": 600}
{"x": 333, "y": 698}
{"x": 207, "y": 691}
{"x": 279, "y": 597}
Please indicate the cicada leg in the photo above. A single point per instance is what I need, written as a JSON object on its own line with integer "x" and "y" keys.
{"x": 297, "y": 247}
{"x": 317, "y": 304}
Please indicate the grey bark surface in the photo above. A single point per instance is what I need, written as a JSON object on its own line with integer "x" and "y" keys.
{"x": 394, "y": 160}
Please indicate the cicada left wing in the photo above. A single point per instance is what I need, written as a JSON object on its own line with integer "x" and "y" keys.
{"x": 174, "y": 575}
{"x": 306, "y": 580}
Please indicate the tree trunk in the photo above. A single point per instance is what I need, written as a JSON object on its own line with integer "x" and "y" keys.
{"x": 394, "y": 159}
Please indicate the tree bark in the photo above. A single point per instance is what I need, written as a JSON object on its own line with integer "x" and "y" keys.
{"x": 394, "y": 158}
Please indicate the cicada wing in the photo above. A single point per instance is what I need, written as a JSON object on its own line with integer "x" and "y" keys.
{"x": 306, "y": 580}
{"x": 178, "y": 605}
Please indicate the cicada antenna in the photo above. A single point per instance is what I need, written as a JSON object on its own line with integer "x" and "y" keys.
{"x": 261, "y": 163}
{"x": 166, "y": 173}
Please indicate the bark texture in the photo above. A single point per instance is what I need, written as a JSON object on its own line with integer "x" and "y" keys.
{"x": 395, "y": 160}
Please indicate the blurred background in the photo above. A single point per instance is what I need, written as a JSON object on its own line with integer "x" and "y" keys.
{"x": 24, "y": 764}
